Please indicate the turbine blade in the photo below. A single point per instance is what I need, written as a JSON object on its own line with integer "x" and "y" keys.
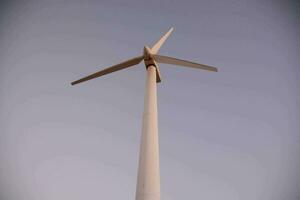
{"x": 175, "y": 61}
{"x": 160, "y": 42}
{"x": 123, "y": 65}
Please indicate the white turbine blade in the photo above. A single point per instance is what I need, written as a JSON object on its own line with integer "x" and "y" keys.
{"x": 123, "y": 65}
{"x": 160, "y": 42}
{"x": 175, "y": 61}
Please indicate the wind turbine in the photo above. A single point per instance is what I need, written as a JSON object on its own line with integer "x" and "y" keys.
{"x": 148, "y": 178}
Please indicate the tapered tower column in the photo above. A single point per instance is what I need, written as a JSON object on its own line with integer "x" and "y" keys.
{"x": 148, "y": 183}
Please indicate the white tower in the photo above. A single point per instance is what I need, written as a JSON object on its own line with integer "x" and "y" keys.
{"x": 148, "y": 182}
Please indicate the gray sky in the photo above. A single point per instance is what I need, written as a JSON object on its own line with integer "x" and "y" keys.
{"x": 229, "y": 135}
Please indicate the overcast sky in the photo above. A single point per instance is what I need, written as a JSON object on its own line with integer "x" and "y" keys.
{"x": 230, "y": 135}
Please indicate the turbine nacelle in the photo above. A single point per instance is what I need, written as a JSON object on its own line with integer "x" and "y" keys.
{"x": 147, "y": 53}
{"x": 149, "y": 60}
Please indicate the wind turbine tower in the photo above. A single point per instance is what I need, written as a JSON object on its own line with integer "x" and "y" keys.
{"x": 148, "y": 178}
